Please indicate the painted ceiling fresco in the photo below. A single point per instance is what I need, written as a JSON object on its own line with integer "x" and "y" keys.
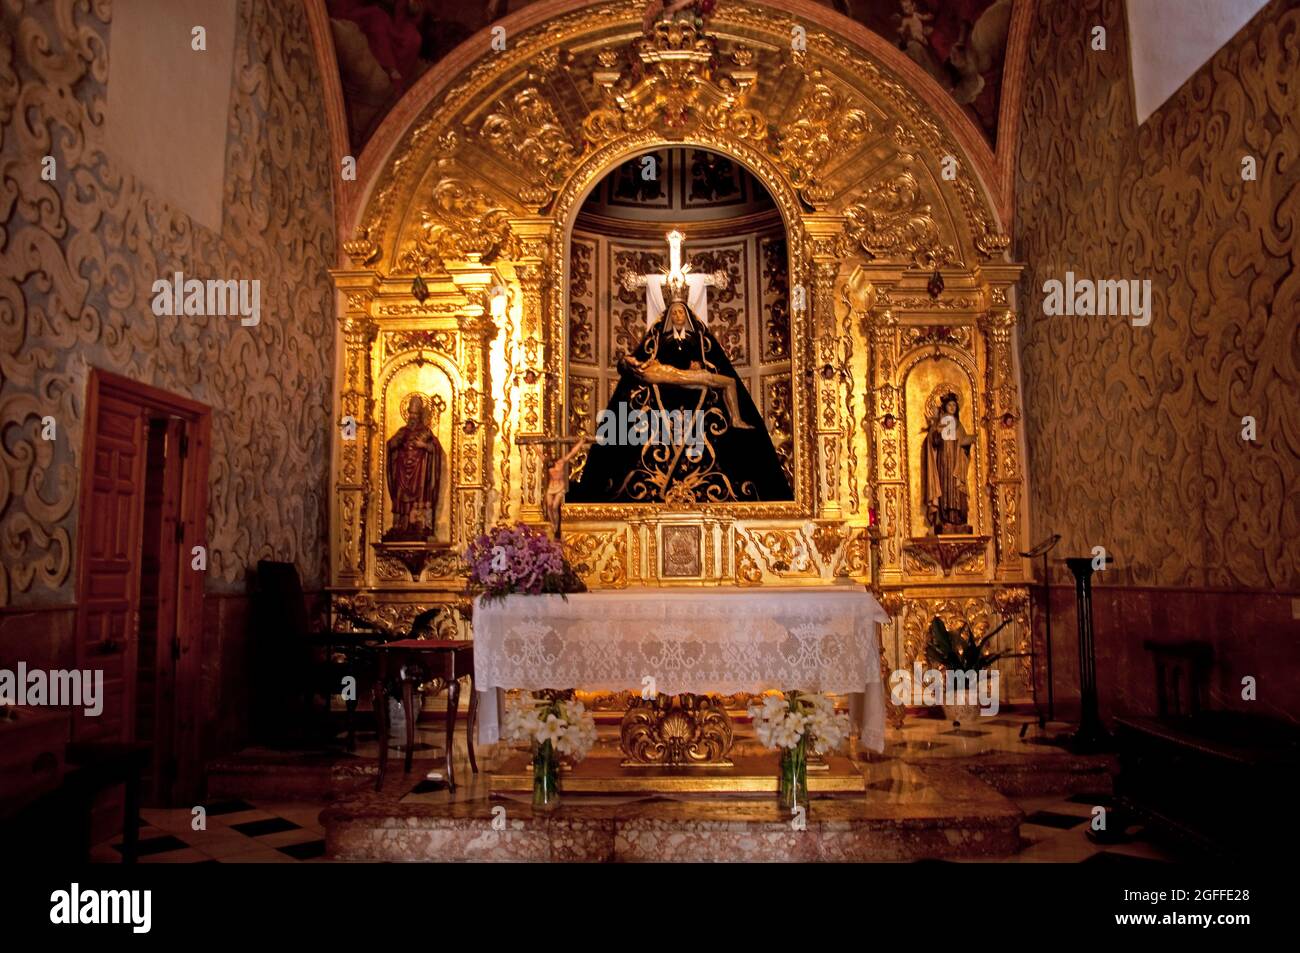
{"x": 961, "y": 43}
{"x": 384, "y": 46}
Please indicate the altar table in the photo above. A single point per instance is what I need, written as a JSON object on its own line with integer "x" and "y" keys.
{"x": 696, "y": 641}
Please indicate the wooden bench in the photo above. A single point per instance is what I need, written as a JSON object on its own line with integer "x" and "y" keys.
{"x": 1219, "y": 781}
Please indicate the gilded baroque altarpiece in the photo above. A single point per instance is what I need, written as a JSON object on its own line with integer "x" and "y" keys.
{"x": 478, "y": 203}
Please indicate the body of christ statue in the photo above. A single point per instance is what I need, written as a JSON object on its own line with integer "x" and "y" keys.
{"x": 945, "y": 460}
{"x": 413, "y": 467}
{"x": 719, "y": 452}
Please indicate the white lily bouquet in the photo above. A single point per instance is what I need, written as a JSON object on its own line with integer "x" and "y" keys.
{"x": 794, "y": 723}
{"x": 553, "y": 725}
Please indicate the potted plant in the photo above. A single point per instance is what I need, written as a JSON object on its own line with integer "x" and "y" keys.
{"x": 963, "y": 651}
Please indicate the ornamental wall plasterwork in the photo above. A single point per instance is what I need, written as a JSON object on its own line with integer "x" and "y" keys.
{"x": 482, "y": 194}
{"x": 78, "y": 259}
{"x": 1157, "y": 469}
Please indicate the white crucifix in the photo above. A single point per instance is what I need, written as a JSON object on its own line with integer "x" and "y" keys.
{"x": 676, "y": 275}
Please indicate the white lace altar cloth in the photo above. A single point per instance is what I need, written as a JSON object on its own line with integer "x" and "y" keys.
{"x": 688, "y": 640}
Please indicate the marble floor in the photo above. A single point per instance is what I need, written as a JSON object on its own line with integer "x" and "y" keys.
{"x": 913, "y": 774}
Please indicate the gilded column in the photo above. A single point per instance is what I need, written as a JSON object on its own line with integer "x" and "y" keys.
{"x": 827, "y": 401}
{"x": 886, "y": 416}
{"x": 356, "y": 429}
{"x": 474, "y": 476}
{"x": 1002, "y": 415}
{"x": 531, "y": 369}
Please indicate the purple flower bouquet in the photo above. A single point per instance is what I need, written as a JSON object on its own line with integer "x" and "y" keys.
{"x": 518, "y": 559}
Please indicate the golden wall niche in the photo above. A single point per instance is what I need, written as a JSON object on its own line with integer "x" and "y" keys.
{"x": 618, "y": 236}
{"x": 422, "y": 375}
{"x": 919, "y": 345}
{"x": 928, "y": 376}
{"x": 483, "y": 194}
{"x": 437, "y": 348}
{"x": 586, "y": 177}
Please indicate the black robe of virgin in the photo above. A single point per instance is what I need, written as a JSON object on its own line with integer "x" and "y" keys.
{"x": 732, "y": 465}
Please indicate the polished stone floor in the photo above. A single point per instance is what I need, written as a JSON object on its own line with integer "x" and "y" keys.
{"x": 928, "y": 766}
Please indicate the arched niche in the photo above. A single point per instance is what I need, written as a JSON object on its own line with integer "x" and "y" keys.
{"x": 568, "y": 204}
{"x": 731, "y": 224}
{"x": 436, "y": 380}
{"x": 925, "y": 379}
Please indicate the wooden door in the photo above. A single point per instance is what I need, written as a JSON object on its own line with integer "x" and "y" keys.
{"x": 109, "y": 539}
{"x": 159, "y": 636}
{"x": 143, "y": 511}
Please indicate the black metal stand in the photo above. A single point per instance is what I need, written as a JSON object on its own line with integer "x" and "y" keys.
{"x": 1092, "y": 734}
{"x": 1047, "y": 638}
{"x": 1042, "y": 549}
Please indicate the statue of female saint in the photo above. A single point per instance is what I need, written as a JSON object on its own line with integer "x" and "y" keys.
{"x": 678, "y": 371}
{"x": 413, "y": 466}
{"x": 945, "y": 461}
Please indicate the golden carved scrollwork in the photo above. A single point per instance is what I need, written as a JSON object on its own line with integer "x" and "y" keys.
{"x": 399, "y": 342}
{"x": 600, "y": 558}
{"x": 1012, "y": 601}
{"x": 684, "y": 81}
{"x": 397, "y": 618}
{"x": 785, "y": 553}
{"x": 892, "y": 220}
{"x": 458, "y": 224}
{"x": 855, "y": 559}
{"x": 944, "y": 552}
{"x": 403, "y": 561}
{"x": 526, "y": 125}
{"x": 827, "y": 538}
{"x": 679, "y": 88}
{"x": 748, "y": 571}
{"x": 823, "y": 125}
{"x": 681, "y": 730}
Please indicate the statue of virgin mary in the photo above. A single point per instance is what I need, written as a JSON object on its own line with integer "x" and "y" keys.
{"x": 703, "y": 441}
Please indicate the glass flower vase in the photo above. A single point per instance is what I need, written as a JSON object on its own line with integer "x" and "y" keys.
{"x": 546, "y": 790}
{"x": 794, "y": 776}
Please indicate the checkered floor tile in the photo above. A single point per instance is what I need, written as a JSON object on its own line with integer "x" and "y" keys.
{"x": 1052, "y": 819}
{"x": 235, "y": 831}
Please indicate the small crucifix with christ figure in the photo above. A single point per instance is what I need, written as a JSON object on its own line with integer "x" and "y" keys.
{"x": 557, "y": 472}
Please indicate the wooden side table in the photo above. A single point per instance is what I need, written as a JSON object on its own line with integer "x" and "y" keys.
{"x": 414, "y": 662}
{"x": 57, "y": 823}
